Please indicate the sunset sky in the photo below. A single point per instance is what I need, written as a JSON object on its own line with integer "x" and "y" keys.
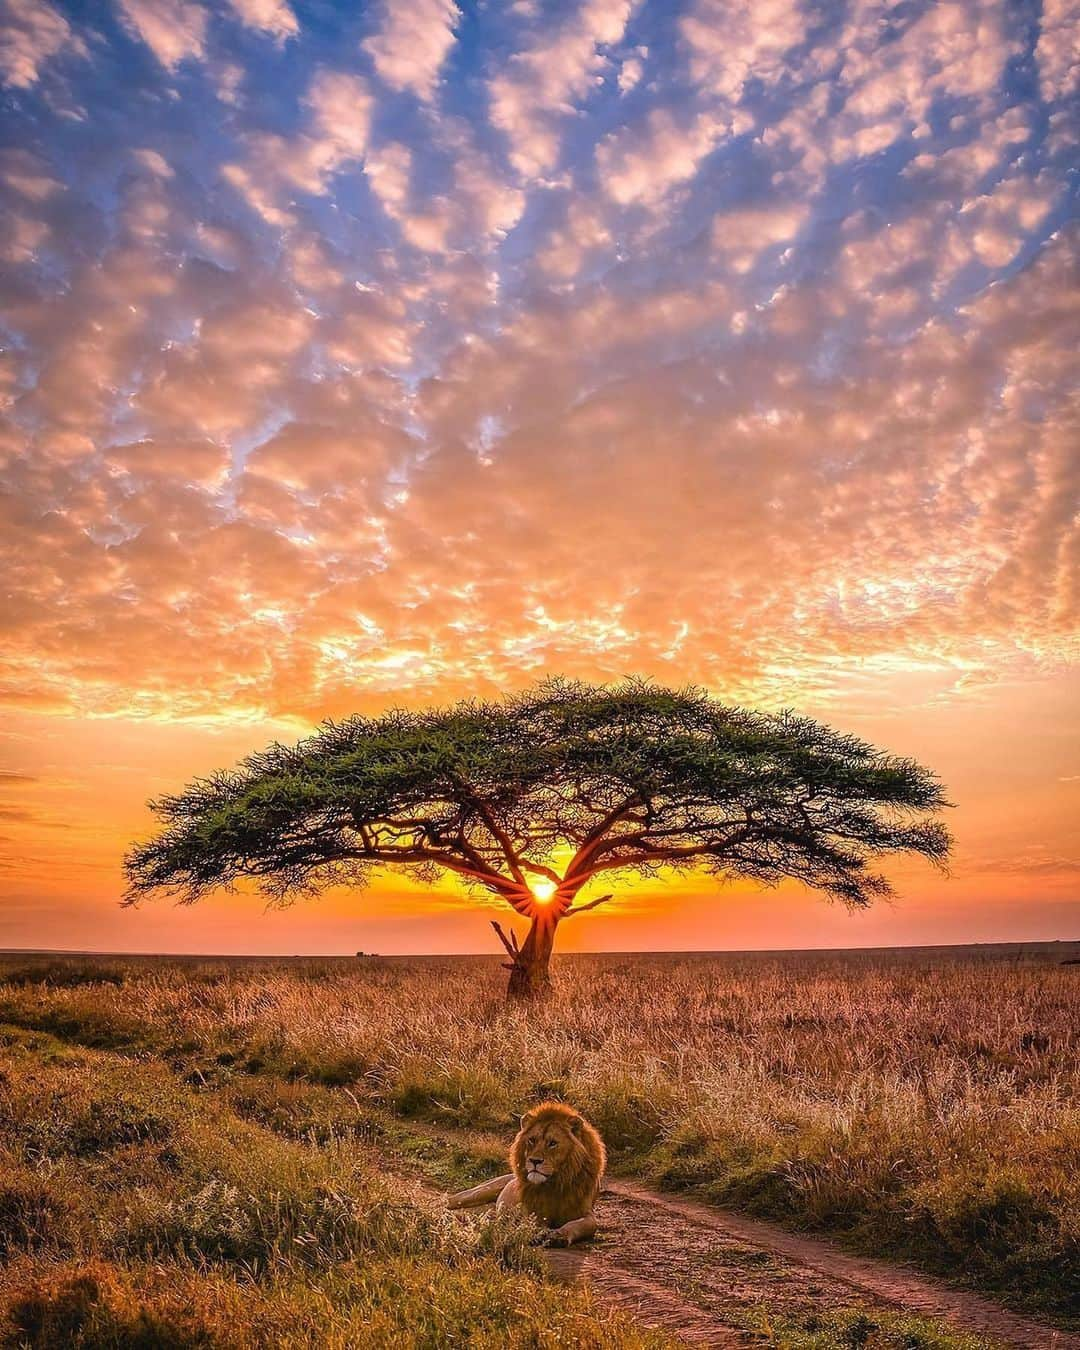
{"x": 359, "y": 355}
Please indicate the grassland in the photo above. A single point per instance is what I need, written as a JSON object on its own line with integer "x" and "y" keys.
{"x": 136, "y": 1211}
{"x": 185, "y": 1144}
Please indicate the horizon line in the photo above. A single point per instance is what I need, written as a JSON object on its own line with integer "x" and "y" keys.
{"x": 642, "y": 951}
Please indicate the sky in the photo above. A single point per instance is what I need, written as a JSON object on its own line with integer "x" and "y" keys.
{"x": 358, "y": 356}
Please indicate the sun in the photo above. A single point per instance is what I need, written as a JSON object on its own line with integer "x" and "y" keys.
{"x": 543, "y": 888}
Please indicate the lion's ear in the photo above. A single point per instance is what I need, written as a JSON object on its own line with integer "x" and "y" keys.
{"x": 575, "y": 1123}
{"x": 526, "y": 1119}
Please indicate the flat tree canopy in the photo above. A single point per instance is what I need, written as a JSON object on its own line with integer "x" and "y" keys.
{"x": 536, "y": 797}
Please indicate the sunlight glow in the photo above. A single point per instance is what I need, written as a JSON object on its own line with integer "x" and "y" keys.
{"x": 543, "y": 889}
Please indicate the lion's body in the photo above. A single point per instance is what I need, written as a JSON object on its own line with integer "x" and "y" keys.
{"x": 557, "y": 1161}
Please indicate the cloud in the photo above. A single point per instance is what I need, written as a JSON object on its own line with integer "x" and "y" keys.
{"x": 958, "y": 171}
{"x": 1035, "y": 863}
{"x": 21, "y": 815}
{"x": 339, "y": 119}
{"x": 174, "y": 30}
{"x": 745, "y": 233}
{"x": 153, "y": 162}
{"x": 953, "y": 48}
{"x": 892, "y": 67}
{"x": 1057, "y": 52}
{"x": 632, "y": 69}
{"x": 32, "y": 32}
{"x": 312, "y": 459}
{"x": 585, "y": 537}
{"x": 340, "y": 105}
{"x": 333, "y": 398}
{"x": 267, "y": 16}
{"x": 540, "y": 84}
{"x": 992, "y": 228}
{"x": 27, "y": 175}
{"x": 412, "y": 44}
{"x": 223, "y": 380}
{"x": 389, "y": 171}
{"x": 203, "y": 463}
{"x": 728, "y": 43}
{"x": 583, "y": 232}
{"x": 640, "y": 164}
{"x": 478, "y": 209}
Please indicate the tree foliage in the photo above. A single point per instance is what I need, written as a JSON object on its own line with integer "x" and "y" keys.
{"x": 563, "y": 784}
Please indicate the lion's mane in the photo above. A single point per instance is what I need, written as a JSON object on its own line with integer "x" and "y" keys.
{"x": 572, "y": 1191}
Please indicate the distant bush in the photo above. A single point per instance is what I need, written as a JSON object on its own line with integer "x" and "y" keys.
{"x": 30, "y": 1213}
{"x": 84, "y": 1125}
{"x": 92, "y": 1308}
{"x": 61, "y": 974}
{"x": 84, "y": 1019}
{"x": 301, "y": 1110}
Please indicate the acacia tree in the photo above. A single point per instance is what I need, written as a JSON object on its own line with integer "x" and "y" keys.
{"x": 542, "y": 795}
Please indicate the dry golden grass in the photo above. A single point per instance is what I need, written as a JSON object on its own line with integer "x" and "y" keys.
{"x": 919, "y": 1103}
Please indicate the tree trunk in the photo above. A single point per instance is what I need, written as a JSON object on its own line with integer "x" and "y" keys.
{"x": 529, "y": 975}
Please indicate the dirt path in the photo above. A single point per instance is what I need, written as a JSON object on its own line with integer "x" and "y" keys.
{"x": 699, "y": 1271}
{"x": 715, "y": 1258}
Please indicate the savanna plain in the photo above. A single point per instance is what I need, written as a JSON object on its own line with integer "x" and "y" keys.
{"x": 247, "y": 1152}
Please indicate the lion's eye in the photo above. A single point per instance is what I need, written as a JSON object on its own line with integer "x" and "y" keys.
{"x": 551, "y": 1143}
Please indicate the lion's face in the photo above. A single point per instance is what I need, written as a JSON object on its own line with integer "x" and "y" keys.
{"x": 545, "y": 1146}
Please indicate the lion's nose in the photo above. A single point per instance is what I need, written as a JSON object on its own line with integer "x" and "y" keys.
{"x": 535, "y": 1162}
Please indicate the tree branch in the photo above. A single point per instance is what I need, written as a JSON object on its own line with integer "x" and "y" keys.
{"x": 473, "y": 854}
{"x": 708, "y": 849}
{"x": 510, "y": 943}
{"x": 626, "y": 777}
{"x": 597, "y": 833}
{"x": 500, "y": 836}
{"x": 541, "y": 871}
{"x": 393, "y": 854}
{"x": 592, "y": 904}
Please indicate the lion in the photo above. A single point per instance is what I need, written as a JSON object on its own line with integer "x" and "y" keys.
{"x": 557, "y": 1161}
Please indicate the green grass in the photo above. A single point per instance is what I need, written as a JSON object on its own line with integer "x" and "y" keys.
{"x": 857, "y": 1330}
